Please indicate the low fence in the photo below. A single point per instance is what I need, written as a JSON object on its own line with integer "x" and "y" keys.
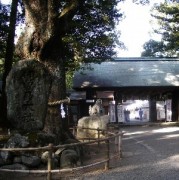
{"x": 110, "y": 146}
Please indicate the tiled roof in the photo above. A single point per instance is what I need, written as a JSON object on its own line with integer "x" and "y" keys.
{"x": 129, "y": 72}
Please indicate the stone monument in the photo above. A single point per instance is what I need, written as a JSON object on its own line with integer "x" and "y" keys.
{"x": 27, "y": 88}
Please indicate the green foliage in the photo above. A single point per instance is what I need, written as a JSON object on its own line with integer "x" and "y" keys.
{"x": 4, "y": 30}
{"x": 141, "y": 1}
{"x": 153, "y": 48}
{"x": 167, "y": 16}
{"x": 4, "y": 19}
{"x": 91, "y": 37}
{"x": 69, "y": 78}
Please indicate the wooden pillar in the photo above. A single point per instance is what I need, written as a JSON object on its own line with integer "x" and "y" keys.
{"x": 116, "y": 103}
{"x": 49, "y": 164}
{"x": 118, "y": 99}
{"x": 152, "y": 110}
{"x": 107, "y": 155}
{"x": 175, "y": 106}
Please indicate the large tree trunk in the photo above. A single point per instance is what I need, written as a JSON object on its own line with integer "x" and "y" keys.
{"x": 45, "y": 28}
{"x": 42, "y": 40}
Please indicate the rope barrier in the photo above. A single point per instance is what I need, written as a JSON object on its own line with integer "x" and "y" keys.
{"x": 50, "y": 148}
{"x": 66, "y": 101}
{"x": 61, "y": 146}
{"x": 54, "y": 170}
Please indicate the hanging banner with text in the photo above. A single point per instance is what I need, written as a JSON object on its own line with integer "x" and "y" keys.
{"x": 112, "y": 115}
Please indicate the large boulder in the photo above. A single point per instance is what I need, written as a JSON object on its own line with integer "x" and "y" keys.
{"x": 93, "y": 122}
{"x": 28, "y": 86}
{"x": 15, "y": 167}
{"x": 30, "y": 161}
{"x": 6, "y": 157}
{"x": 17, "y": 141}
{"x": 69, "y": 158}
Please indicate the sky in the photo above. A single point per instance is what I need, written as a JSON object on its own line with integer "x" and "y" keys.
{"x": 135, "y": 28}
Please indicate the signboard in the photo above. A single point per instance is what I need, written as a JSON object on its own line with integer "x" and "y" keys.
{"x": 169, "y": 110}
{"x": 112, "y": 115}
{"x": 160, "y": 110}
{"x": 120, "y": 113}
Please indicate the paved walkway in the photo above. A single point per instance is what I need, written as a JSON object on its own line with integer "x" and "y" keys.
{"x": 149, "y": 153}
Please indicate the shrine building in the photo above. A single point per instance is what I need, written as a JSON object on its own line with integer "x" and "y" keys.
{"x": 123, "y": 81}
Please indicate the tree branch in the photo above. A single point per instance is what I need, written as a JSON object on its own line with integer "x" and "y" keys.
{"x": 70, "y": 9}
{"x": 68, "y": 13}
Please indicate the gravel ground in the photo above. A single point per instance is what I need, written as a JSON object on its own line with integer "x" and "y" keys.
{"x": 149, "y": 153}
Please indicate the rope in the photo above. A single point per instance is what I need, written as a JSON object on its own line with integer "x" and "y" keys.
{"x": 67, "y": 101}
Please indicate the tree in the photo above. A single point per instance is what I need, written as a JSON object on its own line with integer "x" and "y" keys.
{"x": 167, "y": 17}
{"x": 73, "y": 32}
{"x": 4, "y": 19}
{"x": 153, "y": 48}
{"x": 8, "y": 55}
{"x": 83, "y": 30}
{"x": 10, "y": 40}
{"x": 141, "y": 1}
{"x": 62, "y": 34}
{"x": 5, "y": 11}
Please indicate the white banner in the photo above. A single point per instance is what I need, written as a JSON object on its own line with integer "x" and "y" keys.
{"x": 120, "y": 113}
{"x": 112, "y": 115}
{"x": 169, "y": 109}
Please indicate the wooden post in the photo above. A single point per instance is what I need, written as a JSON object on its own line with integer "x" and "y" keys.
{"x": 119, "y": 145}
{"x": 98, "y": 136}
{"x": 49, "y": 165}
{"x": 116, "y": 143}
{"x": 74, "y": 128}
{"x": 107, "y": 155}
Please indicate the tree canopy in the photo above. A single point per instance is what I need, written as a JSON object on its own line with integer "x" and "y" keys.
{"x": 167, "y": 16}
{"x": 5, "y": 10}
{"x": 4, "y": 19}
{"x": 62, "y": 34}
{"x": 85, "y": 28}
{"x": 79, "y": 31}
{"x": 153, "y": 49}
